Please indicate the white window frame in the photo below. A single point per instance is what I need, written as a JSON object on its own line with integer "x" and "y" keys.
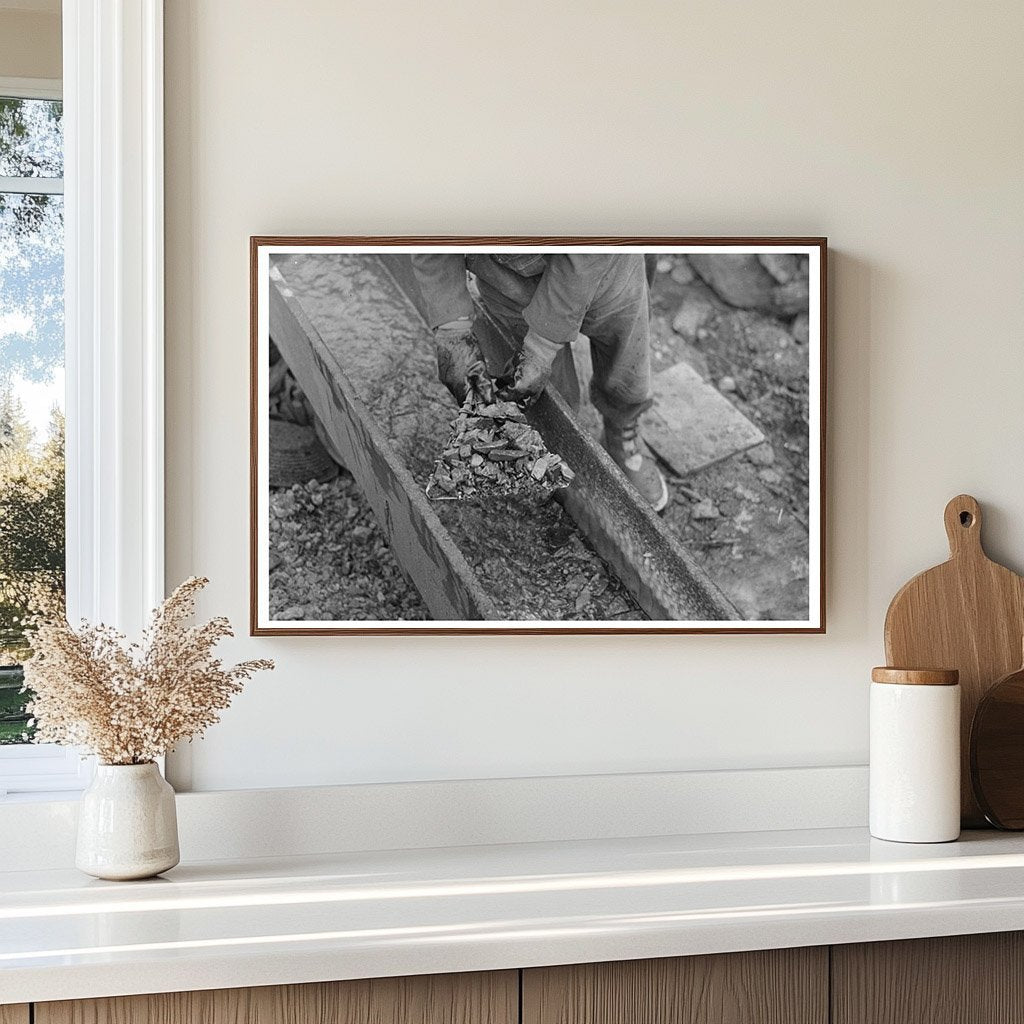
{"x": 114, "y": 322}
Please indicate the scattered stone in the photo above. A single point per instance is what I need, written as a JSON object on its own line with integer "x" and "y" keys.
{"x": 704, "y": 509}
{"x": 692, "y": 315}
{"x": 783, "y": 266}
{"x": 727, "y": 385}
{"x": 770, "y": 476}
{"x": 682, "y": 272}
{"x": 739, "y": 279}
{"x": 801, "y": 328}
{"x": 664, "y": 264}
{"x": 743, "y": 281}
{"x": 762, "y": 455}
{"x": 791, "y": 298}
{"x": 790, "y": 601}
{"x": 329, "y": 558}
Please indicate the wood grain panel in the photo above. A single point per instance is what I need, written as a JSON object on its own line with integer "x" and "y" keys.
{"x": 14, "y": 1014}
{"x": 961, "y": 979}
{"x": 967, "y": 614}
{"x": 779, "y": 986}
{"x": 484, "y": 998}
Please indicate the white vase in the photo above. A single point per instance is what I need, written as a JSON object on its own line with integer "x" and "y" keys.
{"x": 127, "y": 825}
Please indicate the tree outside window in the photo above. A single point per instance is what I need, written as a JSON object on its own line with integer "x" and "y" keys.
{"x": 32, "y": 535}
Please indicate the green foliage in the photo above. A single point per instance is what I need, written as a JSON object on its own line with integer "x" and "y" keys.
{"x": 31, "y": 523}
{"x": 14, "y": 720}
{"x": 31, "y": 138}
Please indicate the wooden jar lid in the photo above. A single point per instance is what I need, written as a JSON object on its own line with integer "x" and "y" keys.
{"x": 916, "y": 676}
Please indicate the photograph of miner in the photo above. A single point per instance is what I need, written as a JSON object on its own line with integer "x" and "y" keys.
{"x": 690, "y": 370}
{"x": 546, "y": 302}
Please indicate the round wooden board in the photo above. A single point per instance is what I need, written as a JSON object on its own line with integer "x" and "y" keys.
{"x": 997, "y": 752}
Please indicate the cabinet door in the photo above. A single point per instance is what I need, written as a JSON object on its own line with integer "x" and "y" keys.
{"x": 779, "y": 986}
{"x": 14, "y": 1014}
{"x": 962, "y": 979}
{"x": 490, "y": 998}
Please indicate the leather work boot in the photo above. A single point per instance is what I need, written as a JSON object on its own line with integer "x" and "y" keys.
{"x": 623, "y": 445}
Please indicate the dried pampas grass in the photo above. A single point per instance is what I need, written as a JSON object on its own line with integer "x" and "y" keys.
{"x": 130, "y": 703}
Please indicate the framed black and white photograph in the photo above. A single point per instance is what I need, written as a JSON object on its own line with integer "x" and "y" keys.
{"x": 537, "y": 435}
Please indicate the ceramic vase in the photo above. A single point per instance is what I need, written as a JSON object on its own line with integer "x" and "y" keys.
{"x": 127, "y": 825}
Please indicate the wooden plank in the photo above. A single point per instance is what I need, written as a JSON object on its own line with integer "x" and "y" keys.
{"x": 959, "y": 979}
{"x": 664, "y": 578}
{"x": 480, "y": 998}
{"x": 692, "y": 424}
{"x": 416, "y": 536}
{"x": 14, "y": 1014}
{"x": 778, "y": 986}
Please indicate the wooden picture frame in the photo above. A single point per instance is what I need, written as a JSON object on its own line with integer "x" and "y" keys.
{"x": 638, "y": 562}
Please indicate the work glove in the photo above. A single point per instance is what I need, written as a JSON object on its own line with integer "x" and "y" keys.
{"x": 529, "y": 371}
{"x": 460, "y": 364}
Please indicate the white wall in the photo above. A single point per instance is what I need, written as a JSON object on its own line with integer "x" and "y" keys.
{"x": 895, "y": 129}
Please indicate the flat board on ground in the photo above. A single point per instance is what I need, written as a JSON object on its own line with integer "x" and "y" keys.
{"x": 691, "y": 425}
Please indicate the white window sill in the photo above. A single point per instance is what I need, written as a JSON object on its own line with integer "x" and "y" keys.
{"x": 41, "y": 797}
{"x": 42, "y": 771}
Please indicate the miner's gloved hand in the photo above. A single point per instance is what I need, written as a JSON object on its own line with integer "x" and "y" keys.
{"x": 460, "y": 364}
{"x": 530, "y": 371}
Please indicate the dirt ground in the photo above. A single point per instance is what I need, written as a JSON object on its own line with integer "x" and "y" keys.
{"x": 744, "y": 518}
{"x": 328, "y": 559}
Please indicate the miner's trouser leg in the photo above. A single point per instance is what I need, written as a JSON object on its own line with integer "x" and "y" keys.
{"x": 618, "y": 326}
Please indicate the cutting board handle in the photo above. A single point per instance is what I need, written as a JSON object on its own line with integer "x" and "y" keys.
{"x": 963, "y": 527}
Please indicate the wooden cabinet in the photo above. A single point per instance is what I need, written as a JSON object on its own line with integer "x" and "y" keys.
{"x": 491, "y": 998}
{"x": 962, "y": 979}
{"x": 968, "y": 979}
{"x": 779, "y": 986}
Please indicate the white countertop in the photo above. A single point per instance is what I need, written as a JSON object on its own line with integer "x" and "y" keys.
{"x": 356, "y": 915}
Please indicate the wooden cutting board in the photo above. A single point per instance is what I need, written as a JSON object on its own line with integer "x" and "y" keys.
{"x": 967, "y": 614}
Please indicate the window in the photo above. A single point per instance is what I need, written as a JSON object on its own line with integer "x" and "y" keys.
{"x": 32, "y": 532}
{"x": 31, "y": 382}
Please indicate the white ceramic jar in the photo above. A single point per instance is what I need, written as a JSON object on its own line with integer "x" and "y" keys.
{"x": 127, "y": 823}
{"x": 915, "y": 755}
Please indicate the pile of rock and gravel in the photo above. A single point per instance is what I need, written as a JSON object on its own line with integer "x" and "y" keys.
{"x": 493, "y": 449}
